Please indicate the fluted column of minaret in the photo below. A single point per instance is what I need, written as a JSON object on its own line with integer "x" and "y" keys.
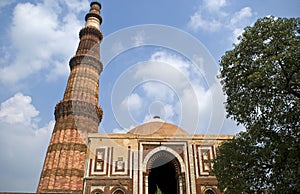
{"x": 76, "y": 114}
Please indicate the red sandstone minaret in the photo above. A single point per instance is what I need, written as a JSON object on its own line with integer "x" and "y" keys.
{"x": 76, "y": 114}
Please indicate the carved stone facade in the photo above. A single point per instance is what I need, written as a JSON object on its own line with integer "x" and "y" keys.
{"x": 138, "y": 162}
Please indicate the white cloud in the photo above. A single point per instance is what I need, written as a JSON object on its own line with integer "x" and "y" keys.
{"x": 214, "y": 5}
{"x": 198, "y": 22}
{"x": 212, "y": 17}
{"x": 173, "y": 89}
{"x": 22, "y": 144}
{"x": 148, "y": 118}
{"x": 139, "y": 38}
{"x": 195, "y": 106}
{"x": 132, "y": 102}
{"x": 199, "y": 62}
{"x": 240, "y": 16}
{"x": 18, "y": 109}
{"x": 120, "y": 131}
{"x": 167, "y": 69}
{"x": 59, "y": 69}
{"x": 231, "y": 127}
{"x": 77, "y": 5}
{"x": 123, "y": 130}
{"x": 209, "y": 16}
{"x": 162, "y": 109}
{"x": 41, "y": 39}
{"x": 173, "y": 60}
{"x": 238, "y": 21}
{"x": 158, "y": 91}
{"x": 236, "y": 33}
{"x": 168, "y": 112}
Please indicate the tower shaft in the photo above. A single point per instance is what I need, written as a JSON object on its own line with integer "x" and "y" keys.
{"x": 76, "y": 115}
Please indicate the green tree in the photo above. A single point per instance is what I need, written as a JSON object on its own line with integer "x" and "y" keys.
{"x": 261, "y": 78}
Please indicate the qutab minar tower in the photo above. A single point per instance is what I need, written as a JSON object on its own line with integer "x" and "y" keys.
{"x": 76, "y": 115}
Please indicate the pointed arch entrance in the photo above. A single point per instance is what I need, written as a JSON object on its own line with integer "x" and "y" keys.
{"x": 164, "y": 171}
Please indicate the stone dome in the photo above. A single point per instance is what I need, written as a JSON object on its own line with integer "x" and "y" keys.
{"x": 158, "y": 128}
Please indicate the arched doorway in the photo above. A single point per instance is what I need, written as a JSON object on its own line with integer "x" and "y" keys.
{"x": 164, "y": 173}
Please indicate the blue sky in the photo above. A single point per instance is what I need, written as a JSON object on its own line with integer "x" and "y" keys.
{"x": 167, "y": 68}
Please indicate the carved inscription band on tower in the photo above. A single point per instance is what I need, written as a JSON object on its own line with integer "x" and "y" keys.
{"x": 76, "y": 115}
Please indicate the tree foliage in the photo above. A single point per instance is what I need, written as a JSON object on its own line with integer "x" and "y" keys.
{"x": 261, "y": 78}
